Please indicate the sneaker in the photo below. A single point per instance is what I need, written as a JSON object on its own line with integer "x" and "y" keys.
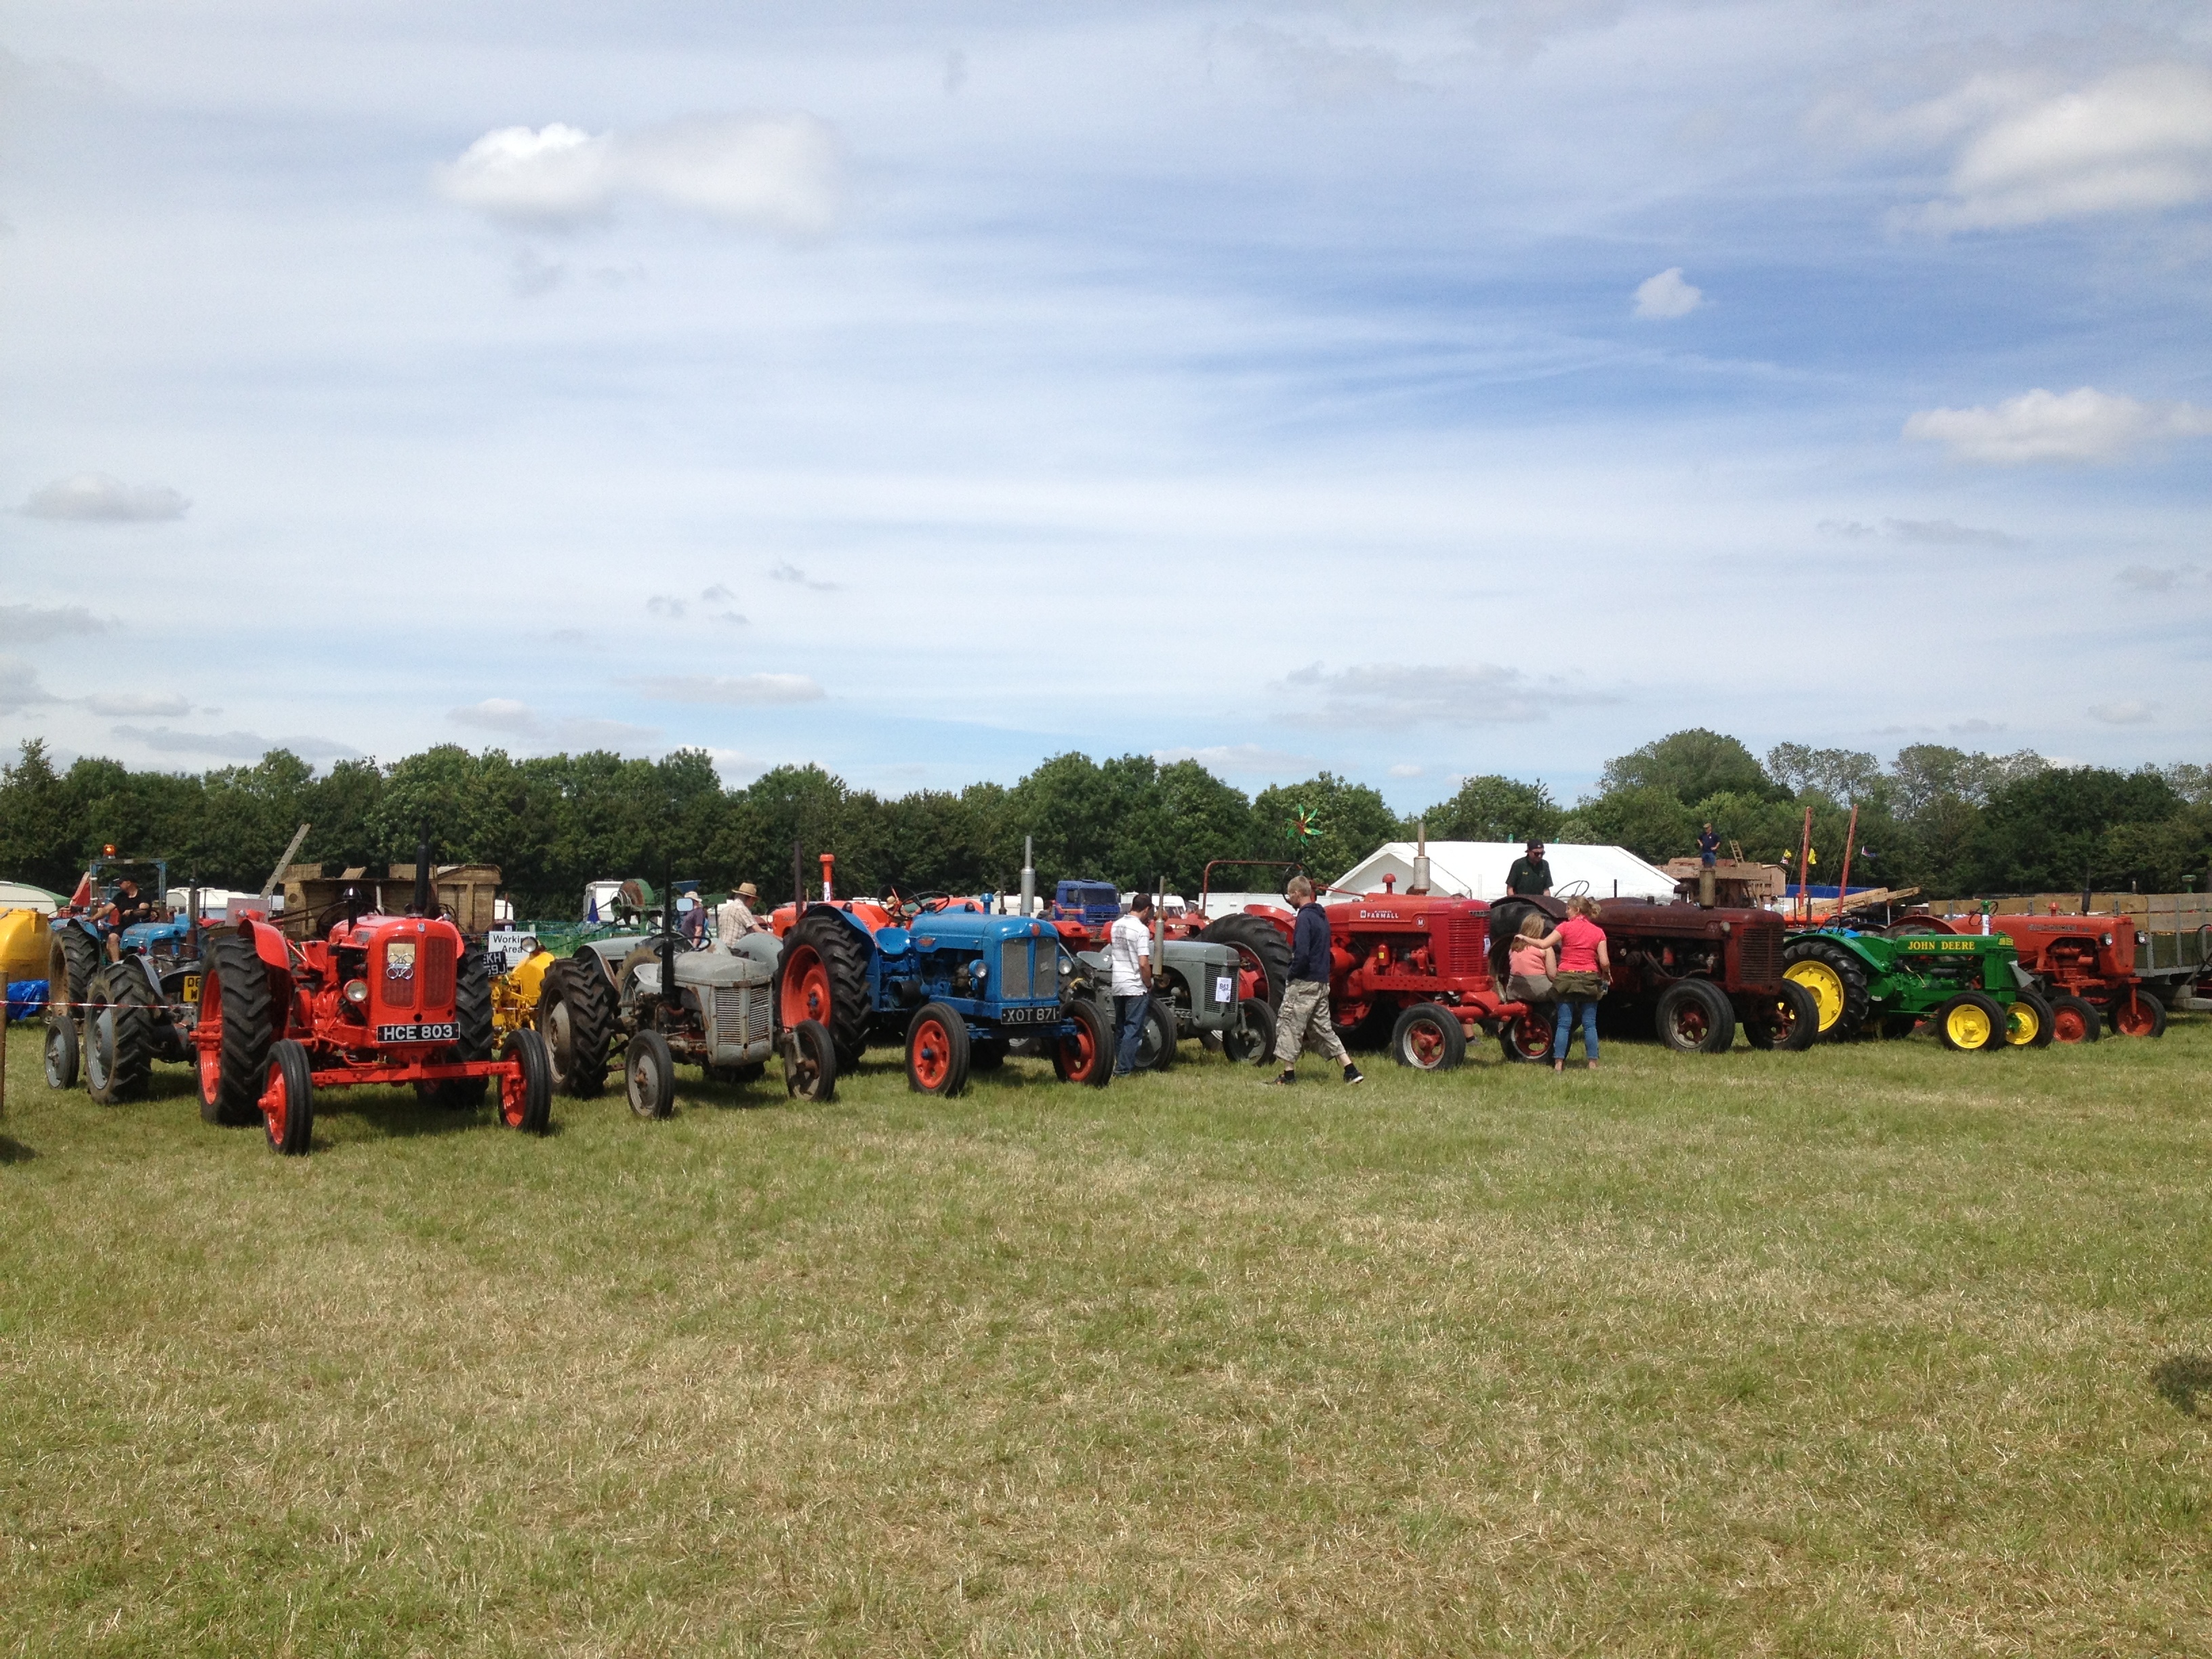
{"x": 1351, "y": 1073}
{"x": 1282, "y": 1082}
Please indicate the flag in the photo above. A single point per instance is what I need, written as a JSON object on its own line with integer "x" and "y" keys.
{"x": 593, "y": 913}
{"x": 1812, "y": 856}
{"x": 83, "y": 896}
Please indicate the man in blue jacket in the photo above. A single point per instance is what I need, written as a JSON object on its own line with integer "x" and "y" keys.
{"x": 1303, "y": 1015}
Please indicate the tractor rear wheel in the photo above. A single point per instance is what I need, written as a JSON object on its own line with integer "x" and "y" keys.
{"x": 118, "y": 1033}
{"x": 1694, "y": 1019}
{"x": 1252, "y": 1038}
{"x": 526, "y": 1103}
{"x": 1156, "y": 1049}
{"x": 1838, "y": 980}
{"x": 824, "y": 976}
{"x": 235, "y": 998}
{"x": 2027, "y": 1021}
{"x": 580, "y": 1025}
{"x": 2134, "y": 1013}
{"x": 287, "y": 1099}
{"x": 1527, "y": 1036}
{"x": 649, "y": 1073}
{"x": 1086, "y": 1055}
{"x": 61, "y": 1052}
{"x": 72, "y": 958}
{"x": 1972, "y": 1022}
{"x": 810, "y": 1064}
{"x": 472, "y": 1019}
{"x": 1429, "y": 1038}
{"x": 936, "y": 1051}
{"x": 1259, "y": 946}
{"x": 2073, "y": 1020}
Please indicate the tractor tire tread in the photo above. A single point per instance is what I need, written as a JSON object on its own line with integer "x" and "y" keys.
{"x": 248, "y": 1030}
{"x": 121, "y": 990}
{"x": 844, "y": 954}
{"x": 1848, "y": 968}
{"x": 593, "y": 1016}
{"x": 1263, "y": 942}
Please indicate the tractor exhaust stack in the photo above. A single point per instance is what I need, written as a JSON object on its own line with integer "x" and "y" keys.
{"x": 1420, "y": 881}
{"x": 1029, "y": 875}
{"x": 420, "y": 907}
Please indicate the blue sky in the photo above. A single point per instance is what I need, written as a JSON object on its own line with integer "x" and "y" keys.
{"x": 1407, "y": 389}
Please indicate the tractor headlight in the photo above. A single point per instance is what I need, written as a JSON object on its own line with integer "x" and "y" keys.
{"x": 356, "y": 992}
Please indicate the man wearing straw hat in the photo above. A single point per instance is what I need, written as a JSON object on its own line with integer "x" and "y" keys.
{"x": 734, "y": 917}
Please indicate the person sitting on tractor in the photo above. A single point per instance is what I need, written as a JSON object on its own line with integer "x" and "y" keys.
{"x": 1530, "y": 876}
{"x": 128, "y": 907}
{"x": 734, "y": 917}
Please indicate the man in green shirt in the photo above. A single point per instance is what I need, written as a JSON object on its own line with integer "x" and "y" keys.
{"x": 1530, "y": 876}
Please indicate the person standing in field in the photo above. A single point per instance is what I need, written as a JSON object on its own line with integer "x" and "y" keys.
{"x": 1129, "y": 954}
{"x": 1585, "y": 967}
{"x": 1530, "y": 876}
{"x": 1304, "y": 1013}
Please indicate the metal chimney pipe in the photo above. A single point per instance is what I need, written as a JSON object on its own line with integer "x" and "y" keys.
{"x": 1420, "y": 881}
{"x": 421, "y": 905}
{"x": 1029, "y": 875}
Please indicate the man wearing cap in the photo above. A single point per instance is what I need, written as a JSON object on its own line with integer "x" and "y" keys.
{"x": 734, "y": 917}
{"x": 1530, "y": 876}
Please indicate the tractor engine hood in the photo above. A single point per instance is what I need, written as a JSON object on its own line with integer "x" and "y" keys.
{"x": 704, "y": 968}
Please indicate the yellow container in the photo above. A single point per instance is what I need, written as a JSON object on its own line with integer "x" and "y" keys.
{"x": 22, "y": 944}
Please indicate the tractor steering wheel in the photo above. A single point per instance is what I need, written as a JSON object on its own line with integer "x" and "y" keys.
{"x": 1572, "y": 890}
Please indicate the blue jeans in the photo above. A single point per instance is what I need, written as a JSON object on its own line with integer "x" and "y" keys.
{"x": 1128, "y": 1030}
{"x": 1563, "y": 1025}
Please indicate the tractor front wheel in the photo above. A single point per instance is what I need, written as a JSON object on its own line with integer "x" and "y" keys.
{"x": 1528, "y": 1037}
{"x": 2136, "y": 1013}
{"x": 2027, "y": 1021}
{"x": 61, "y": 1051}
{"x": 1085, "y": 1055}
{"x": 1156, "y": 1049}
{"x": 1789, "y": 1026}
{"x": 810, "y": 1063}
{"x": 2073, "y": 1020}
{"x": 936, "y": 1051}
{"x": 1428, "y": 1038}
{"x": 287, "y": 1099}
{"x": 649, "y": 1072}
{"x": 1970, "y": 1022}
{"x": 1693, "y": 1017}
{"x": 526, "y": 1102}
{"x": 1252, "y": 1038}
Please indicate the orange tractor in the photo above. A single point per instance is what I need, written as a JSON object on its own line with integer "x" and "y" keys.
{"x": 2085, "y": 965}
{"x": 380, "y": 1000}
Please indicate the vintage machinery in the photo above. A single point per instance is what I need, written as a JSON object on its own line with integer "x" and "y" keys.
{"x": 1691, "y": 975}
{"x": 1207, "y": 994}
{"x": 2084, "y": 966}
{"x": 1413, "y": 971}
{"x": 77, "y": 937}
{"x": 656, "y": 1001}
{"x": 1973, "y": 988}
{"x": 953, "y": 983}
{"x": 382, "y": 999}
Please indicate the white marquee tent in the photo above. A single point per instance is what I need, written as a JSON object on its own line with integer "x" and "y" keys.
{"x": 1476, "y": 869}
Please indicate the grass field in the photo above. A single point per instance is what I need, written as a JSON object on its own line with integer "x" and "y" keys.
{"x": 1880, "y": 1350}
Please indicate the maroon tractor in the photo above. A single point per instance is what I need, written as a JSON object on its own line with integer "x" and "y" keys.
{"x": 383, "y": 1000}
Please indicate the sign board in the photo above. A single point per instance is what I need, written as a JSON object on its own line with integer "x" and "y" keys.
{"x": 509, "y": 948}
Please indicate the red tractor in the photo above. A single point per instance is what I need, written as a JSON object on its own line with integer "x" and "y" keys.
{"x": 1412, "y": 971}
{"x": 387, "y": 999}
{"x": 2085, "y": 965}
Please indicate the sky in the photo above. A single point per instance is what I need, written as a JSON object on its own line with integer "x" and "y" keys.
{"x": 1409, "y": 389}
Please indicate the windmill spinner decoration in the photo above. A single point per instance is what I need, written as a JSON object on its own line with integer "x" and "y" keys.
{"x": 1304, "y": 827}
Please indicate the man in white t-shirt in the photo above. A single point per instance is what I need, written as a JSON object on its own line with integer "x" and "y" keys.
{"x": 1129, "y": 953}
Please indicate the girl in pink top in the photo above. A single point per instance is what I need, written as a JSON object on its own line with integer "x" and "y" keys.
{"x": 1530, "y": 960}
{"x": 1585, "y": 965}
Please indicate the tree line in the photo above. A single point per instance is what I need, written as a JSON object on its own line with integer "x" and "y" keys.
{"x": 1949, "y": 822}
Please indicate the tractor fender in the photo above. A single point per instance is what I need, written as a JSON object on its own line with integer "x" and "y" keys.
{"x": 856, "y": 924}
{"x": 268, "y": 943}
{"x": 1869, "y": 959}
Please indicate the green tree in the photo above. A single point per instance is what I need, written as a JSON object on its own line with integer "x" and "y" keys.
{"x": 1648, "y": 819}
{"x": 40, "y": 838}
{"x": 2047, "y": 832}
{"x": 1353, "y": 821}
{"x": 1689, "y": 766}
{"x": 1844, "y": 775}
{"x": 1494, "y": 808}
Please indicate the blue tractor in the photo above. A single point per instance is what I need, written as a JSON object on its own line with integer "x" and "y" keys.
{"x": 122, "y": 997}
{"x": 952, "y": 981}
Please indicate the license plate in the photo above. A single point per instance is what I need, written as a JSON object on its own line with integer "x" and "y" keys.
{"x": 431, "y": 1032}
{"x": 192, "y": 987}
{"x": 1029, "y": 1016}
{"x": 1224, "y": 989}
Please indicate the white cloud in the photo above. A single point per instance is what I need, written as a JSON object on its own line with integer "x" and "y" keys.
{"x": 1667, "y": 295}
{"x": 666, "y": 606}
{"x": 617, "y": 735}
{"x": 2131, "y": 713}
{"x": 233, "y": 745}
{"x": 140, "y": 703}
{"x": 2084, "y": 424}
{"x": 1236, "y": 757}
{"x": 772, "y": 172}
{"x": 1389, "y": 696}
{"x": 1404, "y": 771}
{"x": 499, "y": 714}
{"x": 788, "y": 572}
{"x": 95, "y": 497}
{"x": 742, "y": 690}
{"x": 2151, "y": 578}
{"x": 20, "y": 623}
{"x": 19, "y": 688}
{"x": 2137, "y": 141}
{"x": 1944, "y": 532}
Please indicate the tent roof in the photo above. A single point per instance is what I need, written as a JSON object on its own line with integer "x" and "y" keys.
{"x": 1477, "y": 869}
{"x": 26, "y": 895}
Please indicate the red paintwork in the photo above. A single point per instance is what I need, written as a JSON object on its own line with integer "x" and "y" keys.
{"x": 307, "y": 1003}
{"x": 2068, "y": 954}
{"x": 1391, "y": 950}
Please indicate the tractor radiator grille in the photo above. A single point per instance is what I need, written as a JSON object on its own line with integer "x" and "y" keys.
{"x": 760, "y": 1016}
{"x": 1014, "y": 968}
{"x": 737, "y": 1012}
{"x": 437, "y": 971}
{"x": 1759, "y": 958}
{"x": 1464, "y": 947}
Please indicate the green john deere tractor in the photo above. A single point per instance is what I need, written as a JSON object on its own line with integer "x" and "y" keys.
{"x": 1969, "y": 987}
